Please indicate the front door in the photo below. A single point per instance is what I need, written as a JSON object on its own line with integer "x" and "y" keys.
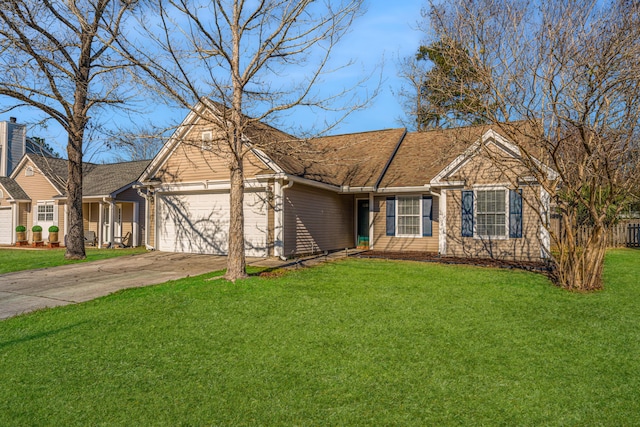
{"x": 363, "y": 224}
{"x": 117, "y": 222}
{"x": 45, "y": 217}
{"x": 105, "y": 223}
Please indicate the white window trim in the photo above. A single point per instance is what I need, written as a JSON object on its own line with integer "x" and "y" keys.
{"x": 477, "y": 188}
{"x": 28, "y": 171}
{"x": 36, "y": 220}
{"x": 406, "y": 196}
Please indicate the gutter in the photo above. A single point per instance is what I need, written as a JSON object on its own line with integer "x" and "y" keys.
{"x": 311, "y": 183}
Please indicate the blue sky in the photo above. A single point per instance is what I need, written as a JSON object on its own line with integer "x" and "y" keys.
{"x": 386, "y": 32}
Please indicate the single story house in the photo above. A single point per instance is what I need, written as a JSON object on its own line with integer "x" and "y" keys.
{"x": 388, "y": 190}
{"x": 35, "y": 193}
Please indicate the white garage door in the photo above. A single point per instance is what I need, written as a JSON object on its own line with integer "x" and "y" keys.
{"x": 5, "y": 226}
{"x": 199, "y": 223}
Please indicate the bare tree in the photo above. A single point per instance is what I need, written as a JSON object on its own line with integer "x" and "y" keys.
{"x": 253, "y": 60}
{"x": 570, "y": 71}
{"x": 137, "y": 143}
{"x": 56, "y": 57}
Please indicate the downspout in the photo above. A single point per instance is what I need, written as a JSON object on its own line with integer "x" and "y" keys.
{"x": 280, "y": 220}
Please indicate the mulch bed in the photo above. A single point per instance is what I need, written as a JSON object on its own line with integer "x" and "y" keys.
{"x": 434, "y": 257}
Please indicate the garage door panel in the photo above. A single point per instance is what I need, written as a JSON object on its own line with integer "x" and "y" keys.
{"x": 199, "y": 223}
{"x": 6, "y": 228}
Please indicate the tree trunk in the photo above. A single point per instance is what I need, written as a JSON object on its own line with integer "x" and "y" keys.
{"x": 579, "y": 266}
{"x": 236, "y": 262}
{"x": 75, "y": 232}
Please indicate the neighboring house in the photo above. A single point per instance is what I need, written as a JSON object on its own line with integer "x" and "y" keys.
{"x": 36, "y": 194}
{"x": 14, "y": 143}
{"x": 387, "y": 190}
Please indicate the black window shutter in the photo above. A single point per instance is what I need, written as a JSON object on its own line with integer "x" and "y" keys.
{"x": 467, "y": 214}
{"x": 391, "y": 216}
{"x": 427, "y": 209}
{"x": 515, "y": 213}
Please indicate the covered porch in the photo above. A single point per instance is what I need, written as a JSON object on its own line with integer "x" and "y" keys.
{"x": 114, "y": 222}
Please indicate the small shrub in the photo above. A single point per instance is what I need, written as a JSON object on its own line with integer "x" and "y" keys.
{"x": 21, "y": 229}
{"x": 53, "y": 229}
{"x": 36, "y": 228}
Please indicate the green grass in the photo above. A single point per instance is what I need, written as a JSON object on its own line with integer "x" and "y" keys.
{"x": 358, "y": 342}
{"x": 25, "y": 259}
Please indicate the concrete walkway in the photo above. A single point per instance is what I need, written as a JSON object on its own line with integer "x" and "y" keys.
{"x": 30, "y": 290}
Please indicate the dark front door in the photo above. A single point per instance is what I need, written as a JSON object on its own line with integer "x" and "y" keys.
{"x": 363, "y": 224}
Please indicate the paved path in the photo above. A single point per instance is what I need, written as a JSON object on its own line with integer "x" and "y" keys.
{"x": 30, "y": 290}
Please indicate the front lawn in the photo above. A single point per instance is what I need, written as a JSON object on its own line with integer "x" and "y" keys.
{"x": 25, "y": 259}
{"x": 357, "y": 342}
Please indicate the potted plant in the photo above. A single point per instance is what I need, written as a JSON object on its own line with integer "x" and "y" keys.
{"x": 21, "y": 233}
{"x": 37, "y": 233}
{"x": 53, "y": 234}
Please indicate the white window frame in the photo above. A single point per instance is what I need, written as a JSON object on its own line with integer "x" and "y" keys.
{"x": 28, "y": 171}
{"x": 497, "y": 187}
{"x": 45, "y": 204}
{"x": 409, "y": 196}
{"x": 207, "y": 140}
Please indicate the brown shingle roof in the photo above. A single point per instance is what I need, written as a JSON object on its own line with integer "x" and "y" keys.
{"x": 53, "y": 168}
{"x": 355, "y": 160}
{"x": 13, "y": 188}
{"x": 422, "y": 155}
{"x": 97, "y": 180}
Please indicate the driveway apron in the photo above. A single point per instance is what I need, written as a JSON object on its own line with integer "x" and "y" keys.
{"x": 30, "y": 290}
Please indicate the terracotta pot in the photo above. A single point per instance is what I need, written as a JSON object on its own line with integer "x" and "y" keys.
{"x": 37, "y": 236}
{"x": 53, "y": 237}
{"x": 21, "y": 236}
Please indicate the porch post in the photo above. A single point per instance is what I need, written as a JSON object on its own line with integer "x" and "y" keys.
{"x": 15, "y": 207}
{"x": 135, "y": 227}
{"x": 112, "y": 206}
{"x": 100, "y": 223}
{"x": 371, "y": 220}
{"x": 65, "y": 220}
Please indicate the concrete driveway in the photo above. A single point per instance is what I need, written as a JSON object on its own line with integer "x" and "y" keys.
{"x": 30, "y": 290}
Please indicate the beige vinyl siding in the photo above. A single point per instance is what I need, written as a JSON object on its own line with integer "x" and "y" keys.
{"x": 317, "y": 220}
{"x": 190, "y": 163}
{"x": 37, "y": 186}
{"x": 23, "y": 215}
{"x": 60, "y": 224}
{"x": 482, "y": 171}
{"x": 91, "y": 216}
{"x": 127, "y": 222}
{"x": 382, "y": 242}
{"x": 4, "y": 195}
{"x": 131, "y": 195}
{"x": 525, "y": 248}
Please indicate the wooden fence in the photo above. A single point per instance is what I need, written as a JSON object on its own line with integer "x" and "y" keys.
{"x": 625, "y": 233}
